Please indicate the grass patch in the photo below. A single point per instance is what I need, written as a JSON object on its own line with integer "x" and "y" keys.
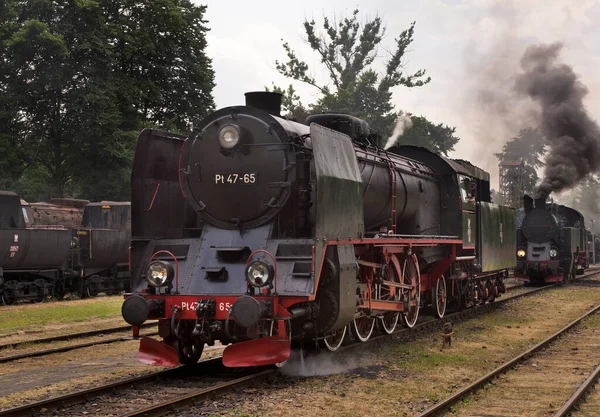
{"x": 65, "y": 312}
{"x": 422, "y": 355}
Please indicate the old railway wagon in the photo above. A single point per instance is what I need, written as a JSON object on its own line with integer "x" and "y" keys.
{"x": 47, "y": 255}
{"x": 552, "y": 242}
{"x": 263, "y": 233}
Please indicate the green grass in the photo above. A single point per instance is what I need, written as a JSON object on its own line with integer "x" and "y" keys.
{"x": 63, "y": 313}
{"x": 415, "y": 357}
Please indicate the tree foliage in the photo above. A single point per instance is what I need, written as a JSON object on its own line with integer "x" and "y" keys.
{"x": 80, "y": 78}
{"x": 528, "y": 146}
{"x": 586, "y": 199}
{"x": 438, "y": 138}
{"x": 348, "y": 50}
{"x": 290, "y": 103}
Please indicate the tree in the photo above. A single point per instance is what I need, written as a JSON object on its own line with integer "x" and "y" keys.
{"x": 79, "y": 79}
{"x": 348, "y": 50}
{"x": 437, "y": 138}
{"x": 585, "y": 198}
{"x": 290, "y": 103}
{"x": 528, "y": 146}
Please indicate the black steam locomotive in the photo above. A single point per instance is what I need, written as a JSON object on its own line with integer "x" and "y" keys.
{"x": 552, "y": 242}
{"x": 38, "y": 259}
{"x": 262, "y": 232}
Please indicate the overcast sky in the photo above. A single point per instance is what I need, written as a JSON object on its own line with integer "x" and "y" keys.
{"x": 470, "y": 48}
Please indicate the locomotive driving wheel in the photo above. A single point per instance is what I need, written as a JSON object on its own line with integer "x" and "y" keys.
{"x": 440, "y": 299}
{"x": 333, "y": 340}
{"x": 362, "y": 327}
{"x": 412, "y": 278}
{"x": 389, "y": 320}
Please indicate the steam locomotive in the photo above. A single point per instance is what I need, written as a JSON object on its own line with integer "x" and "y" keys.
{"x": 263, "y": 234}
{"x": 49, "y": 250}
{"x": 552, "y": 243}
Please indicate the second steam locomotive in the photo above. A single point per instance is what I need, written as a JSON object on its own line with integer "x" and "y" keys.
{"x": 552, "y": 243}
{"x": 263, "y": 233}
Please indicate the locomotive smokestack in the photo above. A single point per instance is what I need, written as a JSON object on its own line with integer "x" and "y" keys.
{"x": 268, "y": 101}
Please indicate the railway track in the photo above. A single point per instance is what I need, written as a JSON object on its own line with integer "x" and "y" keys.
{"x": 537, "y": 380}
{"x": 591, "y": 406}
{"x": 71, "y": 336}
{"x": 180, "y": 386}
{"x": 10, "y": 358}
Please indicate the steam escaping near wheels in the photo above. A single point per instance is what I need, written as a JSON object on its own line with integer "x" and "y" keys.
{"x": 320, "y": 364}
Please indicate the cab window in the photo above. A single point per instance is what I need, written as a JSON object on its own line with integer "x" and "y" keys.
{"x": 467, "y": 189}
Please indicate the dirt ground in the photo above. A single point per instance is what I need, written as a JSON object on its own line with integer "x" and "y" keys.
{"x": 395, "y": 379}
{"x": 403, "y": 379}
{"x": 33, "y": 379}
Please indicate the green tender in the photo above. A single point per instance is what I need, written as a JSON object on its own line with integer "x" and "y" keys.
{"x": 497, "y": 233}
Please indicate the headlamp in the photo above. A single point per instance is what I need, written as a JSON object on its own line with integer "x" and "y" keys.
{"x": 229, "y": 136}
{"x": 553, "y": 253}
{"x": 159, "y": 273}
{"x": 521, "y": 253}
{"x": 259, "y": 273}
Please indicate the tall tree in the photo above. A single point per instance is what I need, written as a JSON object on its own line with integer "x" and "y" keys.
{"x": 528, "y": 146}
{"x": 79, "y": 79}
{"x": 348, "y": 50}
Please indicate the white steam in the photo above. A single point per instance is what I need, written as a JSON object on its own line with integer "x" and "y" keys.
{"x": 317, "y": 365}
{"x": 403, "y": 122}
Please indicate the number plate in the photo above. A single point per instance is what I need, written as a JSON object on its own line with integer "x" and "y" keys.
{"x": 238, "y": 178}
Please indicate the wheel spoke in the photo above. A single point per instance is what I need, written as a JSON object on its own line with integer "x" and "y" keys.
{"x": 363, "y": 327}
{"x": 389, "y": 320}
{"x": 440, "y": 297}
{"x": 411, "y": 277}
{"x": 333, "y": 340}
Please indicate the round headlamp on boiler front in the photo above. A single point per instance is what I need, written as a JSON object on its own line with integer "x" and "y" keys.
{"x": 159, "y": 273}
{"x": 259, "y": 274}
{"x": 229, "y": 136}
{"x": 553, "y": 252}
{"x": 521, "y": 253}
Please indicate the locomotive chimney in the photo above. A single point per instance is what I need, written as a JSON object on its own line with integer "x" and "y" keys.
{"x": 527, "y": 203}
{"x": 540, "y": 202}
{"x": 265, "y": 100}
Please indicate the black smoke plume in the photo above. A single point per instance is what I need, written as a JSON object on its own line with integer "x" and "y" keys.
{"x": 573, "y": 136}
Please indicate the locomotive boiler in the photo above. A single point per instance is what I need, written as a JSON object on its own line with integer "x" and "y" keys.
{"x": 259, "y": 232}
{"x": 552, "y": 242}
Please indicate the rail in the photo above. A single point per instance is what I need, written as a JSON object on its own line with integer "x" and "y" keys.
{"x": 428, "y": 325}
{"x": 457, "y": 396}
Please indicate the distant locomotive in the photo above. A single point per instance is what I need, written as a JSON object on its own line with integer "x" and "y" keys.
{"x": 552, "y": 242}
{"x": 262, "y": 232}
{"x": 50, "y": 253}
